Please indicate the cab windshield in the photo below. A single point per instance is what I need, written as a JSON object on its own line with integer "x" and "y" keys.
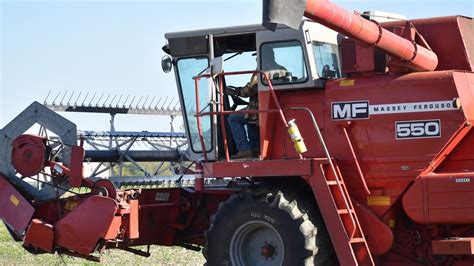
{"x": 187, "y": 69}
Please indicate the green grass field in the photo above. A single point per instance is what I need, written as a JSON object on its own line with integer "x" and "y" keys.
{"x": 11, "y": 253}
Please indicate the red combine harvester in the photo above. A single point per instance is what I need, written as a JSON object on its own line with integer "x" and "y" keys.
{"x": 380, "y": 171}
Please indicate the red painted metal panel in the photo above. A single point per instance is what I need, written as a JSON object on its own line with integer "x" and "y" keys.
{"x": 132, "y": 231}
{"x": 465, "y": 87}
{"x": 40, "y": 235}
{"x": 441, "y": 199}
{"x": 153, "y": 224}
{"x": 379, "y": 235}
{"x": 375, "y": 138}
{"x": 456, "y": 155}
{"x": 114, "y": 228}
{"x": 358, "y": 57}
{"x": 258, "y": 168}
{"x": 267, "y": 122}
{"x": 81, "y": 229}
{"x": 459, "y": 246}
{"x": 15, "y": 210}
{"x": 76, "y": 168}
{"x": 458, "y": 53}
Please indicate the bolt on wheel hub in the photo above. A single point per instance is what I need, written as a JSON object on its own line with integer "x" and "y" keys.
{"x": 246, "y": 245}
{"x": 269, "y": 250}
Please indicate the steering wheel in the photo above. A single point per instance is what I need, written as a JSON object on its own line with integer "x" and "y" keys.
{"x": 236, "y": 99}
{"x": 288, "y": 78}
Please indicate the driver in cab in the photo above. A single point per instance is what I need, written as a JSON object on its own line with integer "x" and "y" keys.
{"x": 248, "y": 142}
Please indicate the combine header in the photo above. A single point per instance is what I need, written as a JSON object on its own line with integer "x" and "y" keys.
{"x": 379, "y": 170}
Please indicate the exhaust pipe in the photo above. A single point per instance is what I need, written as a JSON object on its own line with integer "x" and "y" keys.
{"x": 290, "y": 13}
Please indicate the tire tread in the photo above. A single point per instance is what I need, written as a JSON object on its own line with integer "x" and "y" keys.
{"x": 296, "y": 207}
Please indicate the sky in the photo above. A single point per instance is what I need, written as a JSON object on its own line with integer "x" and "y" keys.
{"x": 114, "y": 47}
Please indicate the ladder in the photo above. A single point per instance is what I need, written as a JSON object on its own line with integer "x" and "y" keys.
{"x": 349, "y": 227}
{"x": 337, "y": 208}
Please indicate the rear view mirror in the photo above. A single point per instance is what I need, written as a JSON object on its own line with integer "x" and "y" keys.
{"x": 166, "y": 63}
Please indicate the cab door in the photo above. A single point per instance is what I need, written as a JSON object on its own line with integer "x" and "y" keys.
{"x": 191, "y": 57}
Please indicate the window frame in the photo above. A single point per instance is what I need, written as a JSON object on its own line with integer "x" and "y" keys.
{"x": 262, "y": 81}
{"x": 183, "y": 106}
{"x": 312, "y": 44}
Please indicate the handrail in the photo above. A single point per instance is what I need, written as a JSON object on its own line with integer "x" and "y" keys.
{"x": 198, "y": 120}
{"x": 239, "y": 112}
{"x": 331, "y": 164}
{"x": 356, "y": 160}
{"x": 320, "y": 136}
{"x": 222, "y": 114}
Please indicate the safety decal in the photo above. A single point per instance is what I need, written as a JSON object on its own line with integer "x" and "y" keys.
{"x": 162, "y": 196}
{"x": 363, "y": 110}
{"x": 70, "y": 205}
{"x": 463, "y": 180}
{"x": 14, "y": 200}
{"x": 378, "y": 201}
{"x": 347, "y": 83}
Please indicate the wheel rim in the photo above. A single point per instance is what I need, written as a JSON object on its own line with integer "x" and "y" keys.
{"x": 256, "y": 243}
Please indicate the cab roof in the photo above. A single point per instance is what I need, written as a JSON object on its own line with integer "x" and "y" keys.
{"x": 221, "y": 31}
{"x": 226, "y": 40}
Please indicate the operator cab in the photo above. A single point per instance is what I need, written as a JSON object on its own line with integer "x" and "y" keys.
{"x": 309, "y": 55}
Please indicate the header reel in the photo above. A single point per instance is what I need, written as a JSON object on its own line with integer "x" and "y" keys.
{"x": 47, "y": 165}
{"x": 24, "y": 157}
{"x": 36, "y": 170}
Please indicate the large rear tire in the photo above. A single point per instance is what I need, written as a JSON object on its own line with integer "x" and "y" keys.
{"x": 263, "y": 226}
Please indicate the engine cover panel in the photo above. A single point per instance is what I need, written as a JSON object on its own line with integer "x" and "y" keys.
{"x": 441, "y": 199}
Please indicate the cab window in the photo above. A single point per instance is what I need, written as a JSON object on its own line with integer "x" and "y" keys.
{"x": 327, "y": 60}
{"x": 284, "y": 62}
{"x": 187, "y": 69}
